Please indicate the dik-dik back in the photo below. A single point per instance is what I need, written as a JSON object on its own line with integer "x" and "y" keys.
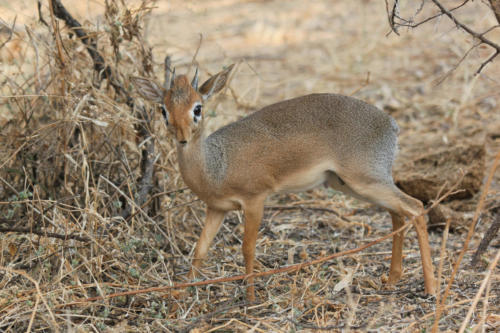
{"x": 326, "y": 131}
{"x": 289, "y": 146}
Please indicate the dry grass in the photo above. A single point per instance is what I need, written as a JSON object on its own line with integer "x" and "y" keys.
{"x": 70, "y": 163}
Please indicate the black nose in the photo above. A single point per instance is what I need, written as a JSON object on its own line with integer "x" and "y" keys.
{"x": 183, "y": 142}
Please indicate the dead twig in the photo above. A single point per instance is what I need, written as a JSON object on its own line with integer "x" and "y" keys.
{"x": 11, "y": 31}
{"x": 216, "y": 311}
{"x": 320, "y": 209}
{"x": 422, "y": 319}
{"x": 40, "y": 16}
{"x": 490, "y": 234}
{"x": 193, "y": 60}
{"x": 391, "y": 14}
{"x": 57, "y": 35}
{"x": 409, "y": 23}
{"x": 325, "y": 328}
{"x": 486, "y": 279}
{"x": 441, "y": 259}
{"x": 154, "y": 197}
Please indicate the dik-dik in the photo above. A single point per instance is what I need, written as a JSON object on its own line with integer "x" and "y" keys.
{"x": 293, "y": 145}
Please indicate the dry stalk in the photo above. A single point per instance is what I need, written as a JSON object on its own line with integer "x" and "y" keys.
{"x": 301, "y": 207}
{"x": 409, "y": 328}
{"x": 472, "y": 226}
{"x": 35, "y": 308}
{"x": 486, "y": 279}
{"x": 57, "y": 35}
{"x": 39, "y": 293}
{"x": 441, "y": 258}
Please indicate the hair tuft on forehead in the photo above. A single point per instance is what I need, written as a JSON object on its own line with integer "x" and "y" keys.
{"x": 181, "y": 90}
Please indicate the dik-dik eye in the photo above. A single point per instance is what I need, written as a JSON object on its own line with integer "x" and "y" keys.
{"x": 197, "y": 111}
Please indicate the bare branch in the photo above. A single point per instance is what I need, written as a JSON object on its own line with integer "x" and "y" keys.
{"x": 430, "y": 18}
{"x": 396, "y": 21}
{"x": 40, "y": 16}
{"x": 490, "y": 59}
{"x": 390, "y": 16}
{"x": 441, "y": 80}
{"x": 479, "y": 36}
{"x": 193, "y": 61}
{"x": 11, "y": 31}
{"x": 100, "y": 67}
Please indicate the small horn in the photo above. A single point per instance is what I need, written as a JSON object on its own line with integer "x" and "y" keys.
{"x": 166, "y": 83}
{"x": 194, "y": 83}
{"x": 173, "y": 78}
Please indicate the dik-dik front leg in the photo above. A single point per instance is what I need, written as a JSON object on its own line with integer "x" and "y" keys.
{"x": 397, "y": 249}
{"x": 425, "y": 252}
{"x": 253, "y": 217}
{"x": 213, "y": 221}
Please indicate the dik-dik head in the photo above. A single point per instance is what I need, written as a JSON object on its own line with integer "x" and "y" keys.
{"x": 181, "y": 102}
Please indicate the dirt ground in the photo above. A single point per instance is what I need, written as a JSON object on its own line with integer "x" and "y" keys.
{"x": 71, "y": 153}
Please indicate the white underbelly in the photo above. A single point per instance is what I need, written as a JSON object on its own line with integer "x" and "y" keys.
{"x": 305, "y": 180}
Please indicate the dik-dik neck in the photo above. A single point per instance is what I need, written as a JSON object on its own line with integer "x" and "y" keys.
{"x": 191, "y": 157}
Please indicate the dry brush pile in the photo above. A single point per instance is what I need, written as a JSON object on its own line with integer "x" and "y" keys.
{"x": 92, "y": 204}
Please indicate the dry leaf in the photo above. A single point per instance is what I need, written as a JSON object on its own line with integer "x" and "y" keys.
{"x": 12, "y": 249}
{"x": 346, "y": 281}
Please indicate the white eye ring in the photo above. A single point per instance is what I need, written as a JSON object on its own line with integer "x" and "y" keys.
{"x": 196, "y": 112}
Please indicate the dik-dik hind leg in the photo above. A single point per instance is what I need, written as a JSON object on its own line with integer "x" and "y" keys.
{"x": 213, "y": 222}
{"x": 253, "y": 217}
{"x": 387, "y": 195}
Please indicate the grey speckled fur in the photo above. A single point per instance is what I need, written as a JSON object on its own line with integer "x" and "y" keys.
{"x": 349, "y": 129}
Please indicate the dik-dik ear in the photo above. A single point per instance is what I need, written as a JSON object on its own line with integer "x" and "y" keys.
{"x": 148, "y": 89}
{"x": 215, "y": 83}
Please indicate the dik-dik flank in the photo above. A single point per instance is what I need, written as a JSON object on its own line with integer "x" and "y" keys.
{"x": 292, "y": 145}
